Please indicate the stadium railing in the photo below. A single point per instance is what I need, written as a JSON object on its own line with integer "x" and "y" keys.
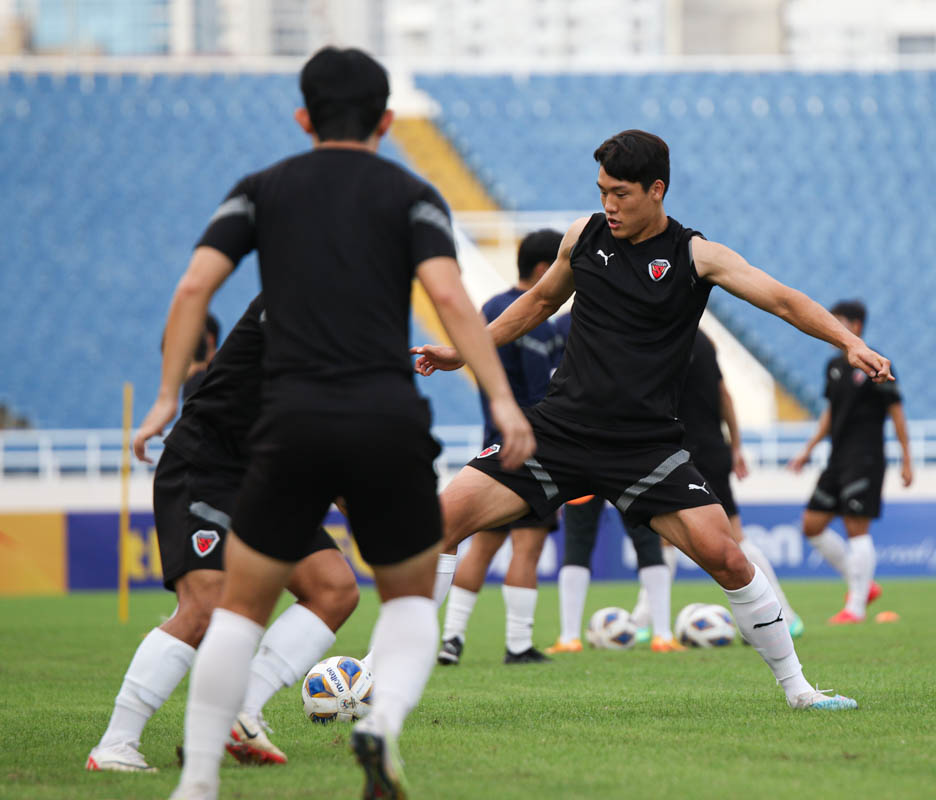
{"x": 94, "y": 453}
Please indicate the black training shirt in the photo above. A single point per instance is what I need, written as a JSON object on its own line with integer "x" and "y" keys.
{"x": 700, "y": 405}
{"x": 857, "y": 410}
{"x": 634, "y": 319}
{"x": 212, "y": 431}
{"x": 338, "y": 233}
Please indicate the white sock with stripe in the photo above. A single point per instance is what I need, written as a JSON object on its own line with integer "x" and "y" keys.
{"x": 860, "y": 572}
{"x": 520, "y": 603}
{"x": 573, "y": 588}
{"x": 833, "y": 549}
{"x": 461, "y": 603}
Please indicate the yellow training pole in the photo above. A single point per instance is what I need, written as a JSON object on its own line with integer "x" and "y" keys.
{"x": 123, "y": 577}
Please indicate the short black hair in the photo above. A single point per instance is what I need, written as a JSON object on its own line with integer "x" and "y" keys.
{"x": 635, "y": 156}
{"x": 345, "y": 93}
{"x": 536, "y": 247}
{"x": 213, "y": 327}
{"x": 853, "y": 310}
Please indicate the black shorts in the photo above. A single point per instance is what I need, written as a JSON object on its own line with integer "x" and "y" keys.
{"x": 550, "y": 522}
{"x": 715, "y": 465}
{"x": 642, "y": 478}
{"x": 381, "y": 464}
{"x": 850, "y": 487}
{"x": 192, "y": 507}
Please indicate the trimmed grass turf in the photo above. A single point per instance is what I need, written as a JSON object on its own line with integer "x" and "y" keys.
{"x": 701, "y": 724}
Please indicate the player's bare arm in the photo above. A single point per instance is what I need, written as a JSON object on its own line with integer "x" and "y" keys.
{"x": 822, "y": 430}
{"x": 896, "y": 412}
{"x": 525, "y": 313}
{"x": 726, "y": 268}
{"x": 207, "y": 270}
{"x": 738, "y": 464}
{"x": 440, "y": 277}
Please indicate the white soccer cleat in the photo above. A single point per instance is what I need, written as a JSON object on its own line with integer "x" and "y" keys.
{"x": 818, "y": 700}
{"x": 117, "y": 758}
{"x": 250, "y": 744}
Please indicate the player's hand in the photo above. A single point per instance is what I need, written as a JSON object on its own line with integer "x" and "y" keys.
{"x": 738, "y": 464}
{"x": 436, "y": 356}
{"x": 517, "y": 439}
{"x": 906, "y": 472}
{"x": 159, "y": 416}
{"x": 797, "y": 463}
{"x": 874, "y": 365}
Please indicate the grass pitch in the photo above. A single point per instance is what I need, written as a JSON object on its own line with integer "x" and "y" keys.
{"x": 701, "y": 724}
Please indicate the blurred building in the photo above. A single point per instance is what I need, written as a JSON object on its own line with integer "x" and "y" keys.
{"x": 727, "y": 27}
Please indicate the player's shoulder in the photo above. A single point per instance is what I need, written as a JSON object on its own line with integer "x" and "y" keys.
{"x": 581, "y": 231}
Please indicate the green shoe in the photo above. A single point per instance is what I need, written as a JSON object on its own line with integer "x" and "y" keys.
{"x": 796, "y": 627}
{"x": 643, "y": 635}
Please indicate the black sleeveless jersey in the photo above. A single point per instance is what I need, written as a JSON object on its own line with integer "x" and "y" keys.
{"x": 634, "y": 320}
{"x": 700, "y": 405}
{"x": 216, "y": 418}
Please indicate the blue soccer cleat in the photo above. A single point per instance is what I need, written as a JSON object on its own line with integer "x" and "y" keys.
{"x": 818, "y": 700}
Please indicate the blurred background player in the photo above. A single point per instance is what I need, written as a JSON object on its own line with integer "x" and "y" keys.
{"x": 338, "y": 380}
{"x": 194, "y": 494}
{"x": 529, "y": 363}
{"x": 850, "y": 485}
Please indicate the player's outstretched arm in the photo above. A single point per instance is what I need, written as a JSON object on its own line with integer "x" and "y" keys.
{"x": 206, "y": 272}
{"x": 726, "y": 268}
{"x": 822, "y": 430}
{"x": 522, "y": 315}
{"x": 896, "y": 412}
{"x": 441, "y": 279}
{"x": 738, "y": 464}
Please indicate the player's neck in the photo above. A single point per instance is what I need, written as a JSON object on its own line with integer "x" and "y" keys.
{"x": 367, "y": 146}
{"x": 653, "y": 228}
{"x": 523, "y": 285}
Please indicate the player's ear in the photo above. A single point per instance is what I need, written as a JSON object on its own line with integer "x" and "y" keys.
{"x": 386, "y": 120}
{"x": 301, "y": 115}
{"x": 657, "y": 190}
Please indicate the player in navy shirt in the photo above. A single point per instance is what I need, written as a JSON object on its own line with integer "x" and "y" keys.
{"x": 529, "y": 363}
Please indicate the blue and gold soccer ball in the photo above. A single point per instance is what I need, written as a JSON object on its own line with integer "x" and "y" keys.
{"x": 339, "y": 688}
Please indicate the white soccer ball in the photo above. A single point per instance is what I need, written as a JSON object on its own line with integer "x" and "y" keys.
{"x": 339, "y": 688}
{"x": 611, "y": 629}
{"x": 705, "y": 625}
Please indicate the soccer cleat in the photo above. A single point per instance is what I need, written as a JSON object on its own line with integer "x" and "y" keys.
{"x": 845, "y": 617}
{"x": 117, "y": 758}
{"x": 529, "y": 656}
{"x": 643, "y": 635}
{"x": 818, "y": 700}
{"x": 249, "y": 743}
{"x": 874, "y": 592}
{"x": 379, "y": 757}
{"x": 572, "y": 646}
{"x": 661, "y": 645}
{"x": 451, "y": 651}
{"x": 796, "y": 627}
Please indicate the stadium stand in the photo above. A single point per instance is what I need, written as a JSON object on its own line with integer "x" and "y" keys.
{"x": 823, "y": 179}
{"x": 108, "y": 180}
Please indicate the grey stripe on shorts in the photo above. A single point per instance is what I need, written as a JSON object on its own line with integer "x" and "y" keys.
{"x": 546, "y": 482}
{"x": 855, "y": 486}
{"x": 631, "y": 493}
{"x": 210, "y": 514}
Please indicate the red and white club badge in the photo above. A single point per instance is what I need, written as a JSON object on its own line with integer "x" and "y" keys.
{"x": 489, "y": 451}
{"x": 658, "y": 268}
{"x": 859, "y": 377}
{"x": 204, "y": 542}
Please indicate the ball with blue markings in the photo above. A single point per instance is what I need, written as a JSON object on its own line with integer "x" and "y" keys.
{"x": 705, "y": 625}
{"x": 611, "y": 629}
{"x": 339, "y": 688}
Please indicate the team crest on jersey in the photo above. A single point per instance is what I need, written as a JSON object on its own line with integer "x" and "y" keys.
{"x": 859, "y": 377}
{"x": 204, "y": 542}
{"x": 658, "y": 268}
{"x": 489, "y": 451}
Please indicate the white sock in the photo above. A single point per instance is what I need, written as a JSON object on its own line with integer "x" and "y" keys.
{"x": 671, "y": 559}
{"x": 445, "y": 574}
{"x": 640, "y": 616}
{"x": 573, "y": 587}
{"x": 756, "y": 556}
{"x": 288, "y": 650}
{"x": 860, "y": 572}
{"x": 757, "y": 605}
{"x": 658, "y": 582}
{"x": 216, "y": 693}
{"x": 404, "y": 649}
{"x": 461, "y": 603}
{"x": 520, "y": 604}
{"x": 833, "y": 549}
{"x": 159, "y": 664}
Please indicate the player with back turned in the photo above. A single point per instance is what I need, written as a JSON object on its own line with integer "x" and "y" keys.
{"x": 340, "y": 234}
{"x": 609, "y": 424}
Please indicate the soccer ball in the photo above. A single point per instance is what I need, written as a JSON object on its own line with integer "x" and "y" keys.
{"x": 339, "y": 688}
{"x": 611, "y": 629}
{"x": 705, "y": 625}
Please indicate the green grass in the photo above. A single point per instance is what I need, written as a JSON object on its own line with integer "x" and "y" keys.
{"x": 601, "y": 724}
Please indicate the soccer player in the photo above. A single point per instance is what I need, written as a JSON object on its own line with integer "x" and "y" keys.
{"x": 529, "y": 363}
{"x": 193, "y": 497}
{"x": 340, "y": 234}
{"x": 850, "y": 485}
{"x": 609, "y": 425}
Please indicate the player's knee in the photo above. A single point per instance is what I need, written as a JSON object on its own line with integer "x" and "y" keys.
{"x": 192, "y": 619}
{"x": 735, "y": 562}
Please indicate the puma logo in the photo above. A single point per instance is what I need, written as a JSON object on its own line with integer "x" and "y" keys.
{"x": 765, "y": 624}
{"x": 606, "y": 258}
{"x": 700, "y": 488}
